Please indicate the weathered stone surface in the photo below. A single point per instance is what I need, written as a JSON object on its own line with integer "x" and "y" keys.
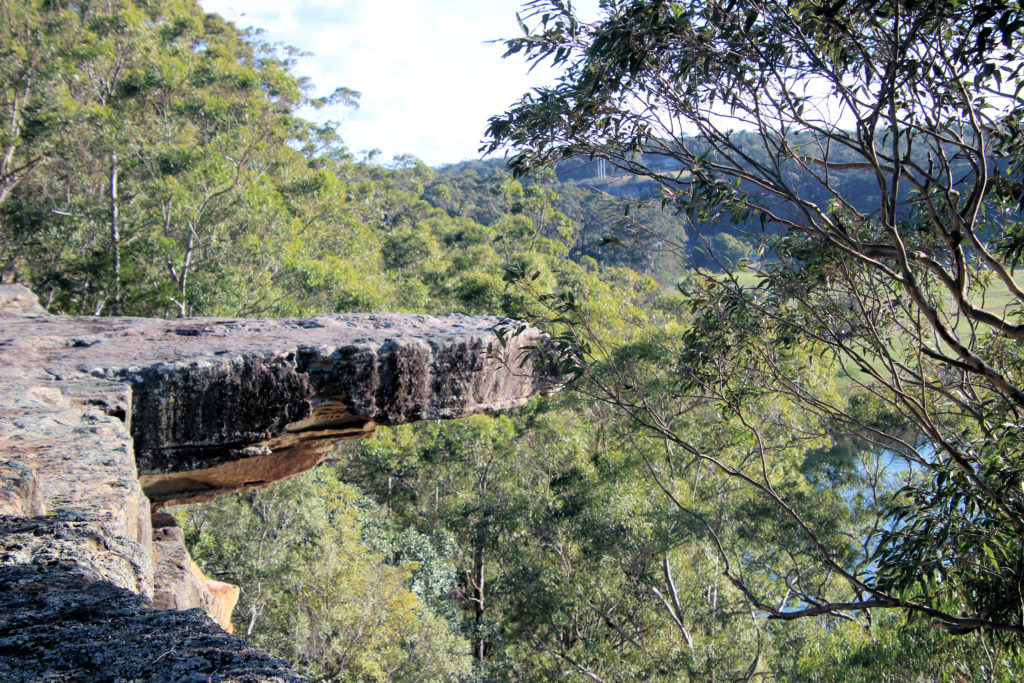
{"x": 69, "y": 460}
{"x": 19, "y": 490}
{"x": 208, "y": 392}
{"x": 197, "y": 408}
{"x": 18, "y": 301}
{"x": 57, "y": 626}
{"x": 180, "y": 584}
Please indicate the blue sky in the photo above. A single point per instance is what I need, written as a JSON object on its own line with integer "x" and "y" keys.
{"x": 428, "y": 77}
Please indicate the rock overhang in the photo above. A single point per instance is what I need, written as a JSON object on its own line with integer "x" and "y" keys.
{"x": 100, "y": 418}
{"x": 208, "y": 393}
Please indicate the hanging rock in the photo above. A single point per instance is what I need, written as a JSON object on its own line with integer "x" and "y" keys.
{"x": 105, "y": 420}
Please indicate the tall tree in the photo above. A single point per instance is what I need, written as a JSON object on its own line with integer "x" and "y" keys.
{"x": 316, "y": 591}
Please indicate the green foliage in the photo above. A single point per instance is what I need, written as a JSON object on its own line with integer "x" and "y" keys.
{"x": 892, "y": 651}
{"x": 727, "y": 457}
{"x": 593, "y": 223}
{"x": 886, "y": 286}
{"x": 730, "y": 250}
{"x": 324, "y": 586}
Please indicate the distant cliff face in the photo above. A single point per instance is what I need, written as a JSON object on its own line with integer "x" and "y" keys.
{"x": 102, "y": 420}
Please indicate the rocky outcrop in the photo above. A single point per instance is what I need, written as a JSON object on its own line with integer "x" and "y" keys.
{"x": 17, "y": 301}
{"x": 103, "y": 420}
{"x": 180, "y": 583}
{"x": 61, "y": 626}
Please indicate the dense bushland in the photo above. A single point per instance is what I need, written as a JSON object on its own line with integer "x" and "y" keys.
{"x": 721, "y": 457}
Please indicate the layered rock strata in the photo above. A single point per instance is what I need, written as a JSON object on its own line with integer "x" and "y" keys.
{"x": 103, "y": 420}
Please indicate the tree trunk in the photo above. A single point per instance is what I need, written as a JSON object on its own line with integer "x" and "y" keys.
{"x": 480, "y": 644}
{"x": 115, "y": 233}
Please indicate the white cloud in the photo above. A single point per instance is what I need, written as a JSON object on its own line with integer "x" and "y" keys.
{"x": 429, "y": 80}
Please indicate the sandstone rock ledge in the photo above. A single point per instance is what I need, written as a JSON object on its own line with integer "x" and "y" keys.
{"x": 103, "y": 420}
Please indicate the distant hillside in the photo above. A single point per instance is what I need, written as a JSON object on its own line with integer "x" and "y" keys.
{"x": 615, "y": 214}
{"x": 605, "y": 213}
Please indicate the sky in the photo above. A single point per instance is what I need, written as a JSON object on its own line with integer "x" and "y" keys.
{"x": 429, "y": 78}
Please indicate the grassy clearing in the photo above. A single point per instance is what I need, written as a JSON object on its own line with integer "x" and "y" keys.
{"x": 996, "y": 298}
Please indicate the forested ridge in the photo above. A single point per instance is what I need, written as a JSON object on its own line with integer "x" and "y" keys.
{"x": 769, "y": 462}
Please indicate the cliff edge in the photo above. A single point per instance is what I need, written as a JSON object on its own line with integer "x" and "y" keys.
{"x": 105, "y": 420}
